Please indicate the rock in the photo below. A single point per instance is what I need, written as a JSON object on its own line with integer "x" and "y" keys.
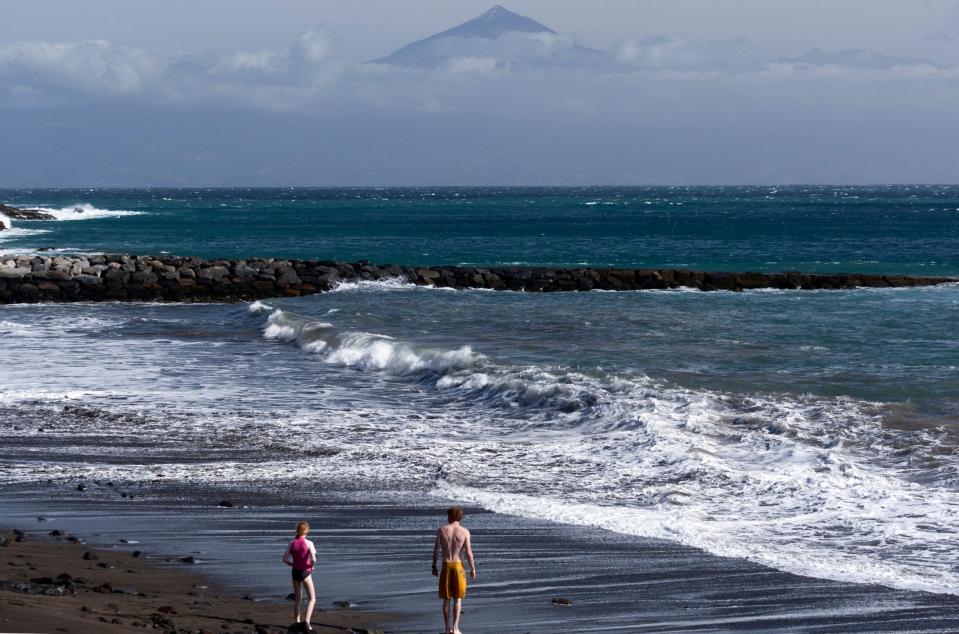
{"x": 11, "y": 538}
{"x": 160, "y": 620}
{"x": 166, "y": 609}
{"x": 55, "y": 533}
{"x": 225, "y": 504}
{"x": 214, "y": 274}
{"x": 49, "y": 587}
{"x": 90, "y": 556}
{"x": 136, "y": 553}
{"x": 188, "y": 560}
{"x": 81, "y": 487}
{"x": 562, "y": 601}
{"x": 168, "y": 278}
{"x": 25, "y": 214}
{"x": 16, "y": 272}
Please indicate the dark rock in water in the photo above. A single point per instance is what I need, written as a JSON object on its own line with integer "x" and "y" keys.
{"x": 55, "y": 533}
{"x": 225, "y": 504}
{"x": 562, "y": 601}
{"x": 41, "y": 519}
{"x": 90, "y": 556}
{"x": 73, "y": 539}
{"x": 188, "y": 560}
{"x": 344, "y": 604}
{"x": 25, "y": 214}
{"x": 136, "y": 553}
{"x": 291, "y": 597}
{"x": 47, "y": 248}
{"x": 81, "y": 487}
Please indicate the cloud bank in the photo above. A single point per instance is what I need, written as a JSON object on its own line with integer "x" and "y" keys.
{"x": 309, "y": 73}
{"x": 533, "y": 107}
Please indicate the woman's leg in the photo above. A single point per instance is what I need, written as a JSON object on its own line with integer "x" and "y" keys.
{"x": 297, "y": 596}
{"x": 311, "y": 595}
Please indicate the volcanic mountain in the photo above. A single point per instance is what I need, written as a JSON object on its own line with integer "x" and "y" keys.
{"x": 499, "y": 39}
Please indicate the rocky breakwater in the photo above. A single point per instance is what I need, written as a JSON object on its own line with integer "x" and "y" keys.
{"x": 22, "y": 214}
{"x": 190, "y": 279}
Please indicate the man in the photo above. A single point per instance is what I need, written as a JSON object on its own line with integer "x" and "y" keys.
{"x": 453, "y": 539}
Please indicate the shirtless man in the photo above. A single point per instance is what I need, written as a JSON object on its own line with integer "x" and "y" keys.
{"x": 452, "y": 540}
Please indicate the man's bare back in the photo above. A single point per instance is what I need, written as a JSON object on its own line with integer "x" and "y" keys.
{"x": 452, "y": 539}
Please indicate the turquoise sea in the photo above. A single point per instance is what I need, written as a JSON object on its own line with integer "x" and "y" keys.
{"x": 900, "y": 229}
{"x": 811, "y": 431}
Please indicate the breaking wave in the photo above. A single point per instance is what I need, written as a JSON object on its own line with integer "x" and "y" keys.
{"x": 85, "y": 211}
{"x": 810, "y": 485}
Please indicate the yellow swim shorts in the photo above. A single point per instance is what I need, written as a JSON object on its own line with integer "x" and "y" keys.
{"x": 452, "y": 580}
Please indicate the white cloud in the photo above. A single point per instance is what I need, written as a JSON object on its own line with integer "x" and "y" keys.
{"x": 472, "y": 64}
{"x": 92, "y": 67}
{"x": 948, "y": 32}
{"x": 519, "y": 72}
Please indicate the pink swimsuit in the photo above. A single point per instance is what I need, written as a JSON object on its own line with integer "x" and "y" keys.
{"x": 300, "y": 552}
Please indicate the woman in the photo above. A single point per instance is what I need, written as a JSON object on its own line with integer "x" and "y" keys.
{"x": 301, "y": 554}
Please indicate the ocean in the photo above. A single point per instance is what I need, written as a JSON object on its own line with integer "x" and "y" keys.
{"x": 814, "y": 432}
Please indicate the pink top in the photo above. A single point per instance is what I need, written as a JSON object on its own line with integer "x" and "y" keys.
{"x": 303, "y": 553}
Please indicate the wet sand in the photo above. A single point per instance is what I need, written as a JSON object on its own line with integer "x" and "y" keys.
{"x": 58, "y": 584}
{"x": 374, "y": 555}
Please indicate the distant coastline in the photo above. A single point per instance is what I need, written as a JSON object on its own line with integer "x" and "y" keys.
{"x": 31, "y": 279}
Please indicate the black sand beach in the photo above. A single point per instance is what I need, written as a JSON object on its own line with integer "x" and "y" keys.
{"x": 374, "y": 555}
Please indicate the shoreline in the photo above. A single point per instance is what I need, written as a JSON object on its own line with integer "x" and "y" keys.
{"x": 53, "y": 580}
{"x": 38, "y": 279}
{"x": 375, "y": 552}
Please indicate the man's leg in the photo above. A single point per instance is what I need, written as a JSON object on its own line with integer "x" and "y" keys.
{"x": 446, "y": 616}
{"x": 457, "y": 607}
{"x": 311, "y": 595}
{"x": 297, "y": 596}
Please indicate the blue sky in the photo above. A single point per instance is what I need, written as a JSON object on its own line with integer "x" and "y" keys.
{"x": 118, "y": 93}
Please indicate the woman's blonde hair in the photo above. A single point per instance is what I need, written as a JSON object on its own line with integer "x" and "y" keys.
{"x": 302, "y": 529}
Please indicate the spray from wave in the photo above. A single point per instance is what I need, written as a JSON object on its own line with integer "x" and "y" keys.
{"x": 85, "y": 211}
